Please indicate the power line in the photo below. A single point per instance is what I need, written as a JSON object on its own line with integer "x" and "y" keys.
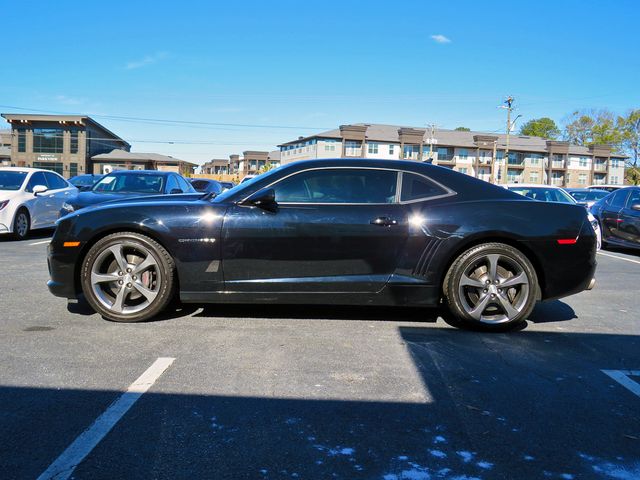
{"x": 170, "y": 121}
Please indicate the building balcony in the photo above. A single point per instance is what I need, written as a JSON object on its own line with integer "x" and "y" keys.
{"x": 600, "y": 167}
{"x": 558, "y": 166}
{"x": 515, "y": 164}
{"x": 446, "y": 160}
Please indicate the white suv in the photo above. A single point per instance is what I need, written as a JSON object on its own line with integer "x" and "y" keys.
{"x": 30, "y": 198}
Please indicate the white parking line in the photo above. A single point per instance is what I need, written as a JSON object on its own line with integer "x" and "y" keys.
{"x": 63, "y": 466}
{"x": 619, "y": 258}
{"x": 622, "y": 377}
{"x": 40, "y": 243}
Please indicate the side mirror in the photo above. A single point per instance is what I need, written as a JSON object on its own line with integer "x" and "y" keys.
{"x": 635, "y": 206}
{"x": 174, "y": 191}
{"x": 39, "y": 189}
{"x": 265, "y": 199}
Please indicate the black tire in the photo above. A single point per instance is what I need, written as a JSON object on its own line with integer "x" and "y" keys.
{"x": 19, "y": 231}
{"x": 160, "y": 282}
{"x": 491, "y": 306}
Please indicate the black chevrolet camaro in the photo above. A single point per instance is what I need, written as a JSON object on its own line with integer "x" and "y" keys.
{"x": 363, "y": 232}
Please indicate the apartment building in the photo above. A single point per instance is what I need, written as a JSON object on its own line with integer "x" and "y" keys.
{"x": 482, "y": 155}
{"x": 250, "y": 162}
{"x": 62, "y": 143}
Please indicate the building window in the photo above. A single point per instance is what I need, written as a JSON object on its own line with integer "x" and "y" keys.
{"x": 74, "y": 142}
{"x": 462, "y": 170}
{"x": 410, "y": 152}
{"x": 47, "y": 140}
{"x": 463, "y": 154}
{"x": 352, "y": 148}
{"x": 533, "y": 177}
{"x": 614, "y": 179}
{"x": 391, "y": 148}
{"x": 445, "y": 154}
{"x": 583, "y": 161}
{"x": 329, "y": 146}
{"x": 53, "y": 166}
{"x": 615, "y": 163}
{"x": 582, "y": 179}
{"x": 372, "y": 148}
{"x": 534, "y": 159}
{"x": 512, "y": 176}
{"x": 22, "y": 141}
{"x": 73, "y": 169}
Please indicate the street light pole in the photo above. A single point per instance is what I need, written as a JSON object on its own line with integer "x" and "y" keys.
{"x": 509, "y": 103}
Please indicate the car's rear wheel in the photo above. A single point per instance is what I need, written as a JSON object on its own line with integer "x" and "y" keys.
{"x": 127, "y": 277}
{"x": 21, "y": 224}
{"x": 492, "y": 285}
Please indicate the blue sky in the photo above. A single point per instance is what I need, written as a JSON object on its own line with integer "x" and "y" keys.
{"x": 313, "y": 65}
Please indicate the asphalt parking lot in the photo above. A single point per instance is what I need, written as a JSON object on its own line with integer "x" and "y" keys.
{"x": 274, "y": 392}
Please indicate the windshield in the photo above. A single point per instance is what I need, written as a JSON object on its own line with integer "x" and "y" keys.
{"x": 544, "y": 194}
{"x": 11, "y": 180}
{"x": 245, "y": 185}
{"x": 130, "y": 183}
{"x": 84, "y": 180}
{"x": 588, "y": 195}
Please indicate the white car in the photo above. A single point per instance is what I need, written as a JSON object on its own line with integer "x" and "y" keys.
{"x": 552, "y": 193}
{"x": 31, "y": 198}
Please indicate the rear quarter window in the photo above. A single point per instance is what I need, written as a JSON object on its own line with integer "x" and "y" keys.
{"x": 417, "y": 187}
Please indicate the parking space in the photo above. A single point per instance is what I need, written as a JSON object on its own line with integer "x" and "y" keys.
{"x": 275, "y": 392}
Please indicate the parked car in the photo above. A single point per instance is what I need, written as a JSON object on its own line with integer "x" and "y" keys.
{"x": 552, "y": 193}
{"x": 587, "y": 196}
{"x": 247, "y": 178}
{"x": 123, "y": 184}
{"x": 30, "y": 198}
{"x": 331, "y": 231}
{"x": 619, "y": 217}
{"x": 608, "y": 188}
{"x": 228, "y": 185}
{"x": 205, "y": 185}
{"x": 85, "y": 182}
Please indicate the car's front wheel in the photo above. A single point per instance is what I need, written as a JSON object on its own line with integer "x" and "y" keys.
{"x": 491, "y": 285}
{"x": 21, "y": 224}
{"x": 127, "y": 277}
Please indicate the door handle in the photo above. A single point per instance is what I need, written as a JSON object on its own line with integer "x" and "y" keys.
{"x": 383, "y": 222}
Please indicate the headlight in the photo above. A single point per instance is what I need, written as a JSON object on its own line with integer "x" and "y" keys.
{"x": 67, "y": 207}
{"x": 4, "y": 204}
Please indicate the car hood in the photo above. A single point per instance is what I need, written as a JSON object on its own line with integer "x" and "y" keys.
{"x": 85, "y": 199}
{"x": 114, "y": 201}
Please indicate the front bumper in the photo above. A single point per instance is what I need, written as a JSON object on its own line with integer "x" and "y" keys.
{"x": 62, "y": 272}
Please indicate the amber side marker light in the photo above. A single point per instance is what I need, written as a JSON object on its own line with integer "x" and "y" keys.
{"x": 71, "y": 244}
{"x": 567, "y": 241}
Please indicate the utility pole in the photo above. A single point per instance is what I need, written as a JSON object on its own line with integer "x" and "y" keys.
{"x": 431, "y": 137}
{"x": 508, "y": 104}
{"x": 493, "y": 161}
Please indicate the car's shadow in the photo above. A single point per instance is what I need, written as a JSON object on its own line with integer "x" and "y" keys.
{"x": 33, "y": 235}
{"x": 544, "y": 312}
{"x": 622, "y": 250}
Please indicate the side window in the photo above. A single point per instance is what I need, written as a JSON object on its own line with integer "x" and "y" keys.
{"x": 36, "y": 179}
{"x": 55, "y": 182}
{"x": 184, "y": 185}
{"x": 633, "y": 198}
{"x": 416, "y": 187}
{"x": 618, "y": 198}
{"x": 342, "y": 185}
{"x": 172, "y": 184}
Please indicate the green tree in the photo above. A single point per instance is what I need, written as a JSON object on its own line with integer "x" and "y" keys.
{"x": 541, "y": 127}
{"x": 631, "y": 136}
{"x": 632, "y": 175}
{"x": 462, "y": 129}
{"x": 591, "y": 127}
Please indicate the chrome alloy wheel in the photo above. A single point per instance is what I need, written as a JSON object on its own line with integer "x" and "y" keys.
{"x": 494, "y": 289}
{"x": 125, "y": 278}
{"x": 22, "y": 224}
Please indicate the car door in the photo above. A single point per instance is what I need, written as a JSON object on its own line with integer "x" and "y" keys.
{"x": 609, "y": 215}
{"x": 59, "y": 191}
{"x": 36, "y": 204}
{"x": 629, "y": 219}
{"x": 334, "y": 229}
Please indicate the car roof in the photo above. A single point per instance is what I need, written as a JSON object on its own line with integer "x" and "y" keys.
{"x": 138, "y": 172}
{"x": 25, "y": 169}
{"x": 532, "y": 185}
